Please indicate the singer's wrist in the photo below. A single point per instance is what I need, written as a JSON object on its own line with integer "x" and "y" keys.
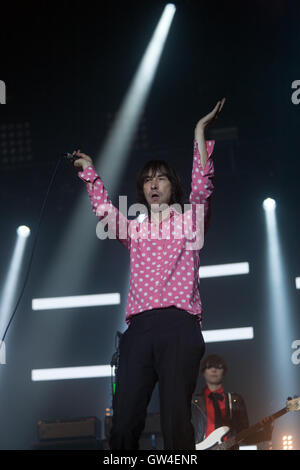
{"x": 86, "y": 165}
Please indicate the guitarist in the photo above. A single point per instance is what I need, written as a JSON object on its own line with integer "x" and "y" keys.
{"x": 213, "y": 407}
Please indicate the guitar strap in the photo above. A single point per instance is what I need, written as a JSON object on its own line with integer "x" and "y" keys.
{"x": 230, "y": 404}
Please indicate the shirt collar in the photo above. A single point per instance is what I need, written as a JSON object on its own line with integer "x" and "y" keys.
{"x": 207, "y": 391}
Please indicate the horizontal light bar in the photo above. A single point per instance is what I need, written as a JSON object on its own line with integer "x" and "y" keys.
{"x": 297, "y": 282}
{"x": 65, "y": 373}
{"x": 88, "y": 372}
{"x": 75, "y": 301}
{"x": 228, "y": 334}
{"x": 114, "y": 299}
{"x": 247, "y": 447}
{"x": 219, "y": 270}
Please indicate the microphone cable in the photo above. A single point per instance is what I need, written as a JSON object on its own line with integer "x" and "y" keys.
{"x": 71, "y": 158}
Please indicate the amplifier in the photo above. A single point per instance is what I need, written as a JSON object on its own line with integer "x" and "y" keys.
{"x": 69, "y": 428}
{"x": 152, "y": 425}
{"x": 88, "y": 443}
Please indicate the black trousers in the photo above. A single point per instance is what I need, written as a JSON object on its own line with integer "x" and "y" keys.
{"x": 164, "y": 345}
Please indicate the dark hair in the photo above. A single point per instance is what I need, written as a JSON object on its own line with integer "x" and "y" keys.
{"x": 178, "y": 195}
{"x": 213, "y": 360}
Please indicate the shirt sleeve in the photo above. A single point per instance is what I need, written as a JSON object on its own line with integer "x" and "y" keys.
{"x": 103, "y": 207}
{"x": 202, "y": 180}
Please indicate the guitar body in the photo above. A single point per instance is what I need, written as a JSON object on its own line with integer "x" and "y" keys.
{"x": 213, "y": 439}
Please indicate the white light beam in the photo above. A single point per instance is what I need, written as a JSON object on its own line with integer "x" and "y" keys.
{"x": 218, "y": 270}
{"x": 9, "y": 289}
{"x": 67, "y": 373}
{"x": 75, "y": 301}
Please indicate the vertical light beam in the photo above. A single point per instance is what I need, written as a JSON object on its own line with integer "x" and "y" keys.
{"x": 280, "y": 321}
{"x": 10, "y": 286}
{"x": 115, "y": 150}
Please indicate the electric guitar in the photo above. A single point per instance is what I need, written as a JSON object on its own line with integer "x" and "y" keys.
{"x": 214, "y": 440}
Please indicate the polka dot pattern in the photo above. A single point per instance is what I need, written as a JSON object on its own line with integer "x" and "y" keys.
{"x": 163, "y": 271}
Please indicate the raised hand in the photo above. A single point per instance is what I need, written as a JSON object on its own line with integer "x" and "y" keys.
{"x": 210, "y": 117}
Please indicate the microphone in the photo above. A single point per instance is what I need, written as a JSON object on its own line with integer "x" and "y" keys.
{"x": 72, "y": 158}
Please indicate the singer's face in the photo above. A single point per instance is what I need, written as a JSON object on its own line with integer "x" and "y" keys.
{"x": 157, "y": 189}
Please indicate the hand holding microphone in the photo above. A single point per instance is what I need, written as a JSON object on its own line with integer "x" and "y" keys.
{"x": 80, "y": 160}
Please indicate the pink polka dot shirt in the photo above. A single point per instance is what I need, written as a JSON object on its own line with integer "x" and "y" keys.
{"x": 164, "y": 269}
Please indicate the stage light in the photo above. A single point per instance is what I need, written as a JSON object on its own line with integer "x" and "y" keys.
{"x": 287, "y": 442}
{"x": 269, "y": 204}
{"x": 2, "y": 353}
{"x": 252, "y": 447}
{"x": 23, "y": 231}
{"x": 69, "y": 373}
{"x": 8, "y": 292}
{"x": 113, "y": 156}
{"x": 278, "y": 310}
{"x": 231, "y": 269}
{"x": 2, "y": 92}
{"x": 228, "y": 334}
{"x": 66, "y": 373}
{"x": 75, "y": 301}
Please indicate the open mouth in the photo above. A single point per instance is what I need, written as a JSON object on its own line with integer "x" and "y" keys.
{"x": 155, "y": 197}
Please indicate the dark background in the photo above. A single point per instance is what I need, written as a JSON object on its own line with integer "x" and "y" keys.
{"x": 67, "y": 66}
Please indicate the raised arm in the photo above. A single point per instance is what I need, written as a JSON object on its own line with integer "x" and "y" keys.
{"x": 203, "y": 168}
{"x": 101, "y": 204}
{"x": 200, "y": 130}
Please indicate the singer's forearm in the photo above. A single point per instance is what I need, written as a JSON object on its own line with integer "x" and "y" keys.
{"x": 200, "y": 139}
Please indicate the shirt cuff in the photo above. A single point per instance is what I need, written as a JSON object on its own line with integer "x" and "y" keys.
{"x": 89, "y": 175}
